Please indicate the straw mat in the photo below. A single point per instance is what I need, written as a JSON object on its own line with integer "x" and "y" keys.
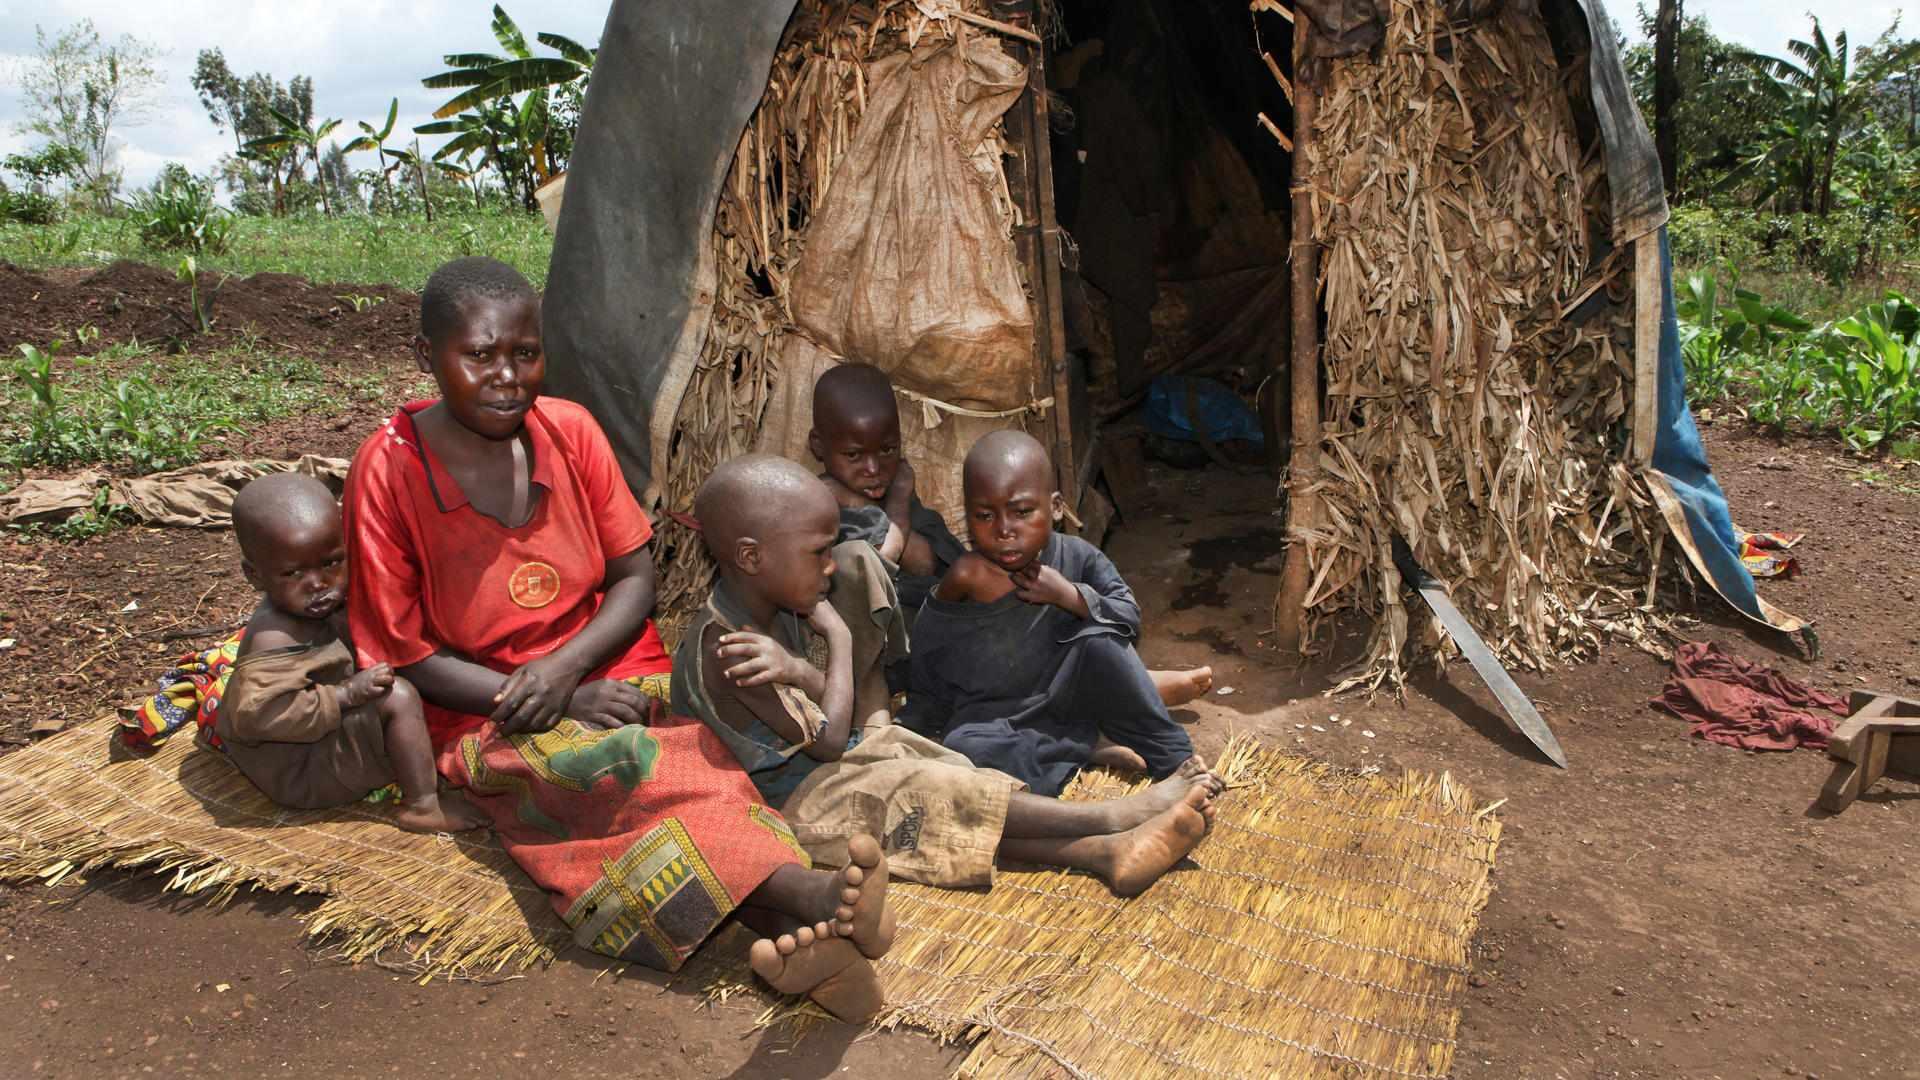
{"x": 1321, "y": 930}
{"x": 77, "y": 802}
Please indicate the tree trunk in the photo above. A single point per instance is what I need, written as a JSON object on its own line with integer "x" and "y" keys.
{"x": 420, "y": 173}
{"x": 320, "y": 181}
{"x": 1666, "y": 93}
{"x": 1826, "y": 173}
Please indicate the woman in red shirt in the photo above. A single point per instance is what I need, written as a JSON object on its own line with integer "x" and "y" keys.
{"x": 499, "y": 563}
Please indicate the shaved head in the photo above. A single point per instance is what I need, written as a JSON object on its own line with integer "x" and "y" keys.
{"x": 850, "y": 393}
{"x": 279, "y": 507}
{"x": 754, "y": 496}
{"x": 1001, "y": 458}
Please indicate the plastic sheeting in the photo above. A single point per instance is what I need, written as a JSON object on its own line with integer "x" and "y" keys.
{"x": 630, "y": 287}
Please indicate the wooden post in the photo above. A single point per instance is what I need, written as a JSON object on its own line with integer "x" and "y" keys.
{"x": 1038, "y": 243}
{"x": 1289, "y": 610}
{"x": 1648, "y": 297}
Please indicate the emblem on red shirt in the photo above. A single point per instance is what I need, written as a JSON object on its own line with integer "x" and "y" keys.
{"x": 534, "y": 585}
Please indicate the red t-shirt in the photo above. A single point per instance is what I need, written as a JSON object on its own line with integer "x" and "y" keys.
{"x": 430, "y": 573}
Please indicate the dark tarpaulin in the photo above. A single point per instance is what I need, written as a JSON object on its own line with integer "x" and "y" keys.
{"x": 630, "y": 287}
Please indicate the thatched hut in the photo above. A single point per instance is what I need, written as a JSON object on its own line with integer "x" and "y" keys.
{"x": 1427, "y": 236}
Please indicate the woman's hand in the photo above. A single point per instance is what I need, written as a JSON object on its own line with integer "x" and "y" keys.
{"x": 750, "y": 658}
{"x": 535, "y": 697}
{"x": 609, "y": 703}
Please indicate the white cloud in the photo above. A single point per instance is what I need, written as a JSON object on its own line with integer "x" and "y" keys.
{"x": 1767, "y": 25}
{"x": 361, "y": 54}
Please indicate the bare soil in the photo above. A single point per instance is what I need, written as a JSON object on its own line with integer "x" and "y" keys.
{"x": 1663, "y": 908}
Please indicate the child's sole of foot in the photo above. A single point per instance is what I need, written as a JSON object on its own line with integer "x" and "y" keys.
{"x": 1139, "y": 856}
{"x": 1179, "y": 687}
{"x": 864, "y": 881}
{"x": 830, "y": 971}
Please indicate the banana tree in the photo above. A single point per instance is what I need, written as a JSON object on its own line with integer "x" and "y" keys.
{"x": 1827, "y": 98}
{"x": 376, "y": 141}
{"x": 489, "y": 78}
{"x": 295, "y": 136}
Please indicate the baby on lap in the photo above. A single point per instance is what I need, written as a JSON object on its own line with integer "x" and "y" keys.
{"x": 297, "y": 719}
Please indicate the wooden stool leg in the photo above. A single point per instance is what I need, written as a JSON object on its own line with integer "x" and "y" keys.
{"x": 1842, "y": 786}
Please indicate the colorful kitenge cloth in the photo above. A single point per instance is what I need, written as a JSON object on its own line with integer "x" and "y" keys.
{"x": 645, "y": 837}
{"x": 190, "y": 691}
{"x": 1767, "y": 554}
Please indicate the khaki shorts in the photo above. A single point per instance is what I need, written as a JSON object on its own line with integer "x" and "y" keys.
{"x": 334, "y": 771}
{"x": 937, "y": 817}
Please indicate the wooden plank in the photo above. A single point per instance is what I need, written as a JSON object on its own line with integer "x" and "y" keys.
{"x": 1648, "y": 294}
{"x": 1039, "y": 246}
{"x": 1841, "y": 743}
{"x": 1303, "y": 472}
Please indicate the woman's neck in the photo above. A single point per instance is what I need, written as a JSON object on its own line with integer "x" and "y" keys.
{"x": 453, "y": 440}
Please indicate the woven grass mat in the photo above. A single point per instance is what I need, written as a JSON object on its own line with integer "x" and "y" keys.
{"x": 1321, "y": 930}
{"x": 76, "y": 802}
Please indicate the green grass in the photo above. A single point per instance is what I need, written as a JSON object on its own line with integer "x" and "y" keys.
{"x": 143, "y": 413}
{"x": 350, "y": 250}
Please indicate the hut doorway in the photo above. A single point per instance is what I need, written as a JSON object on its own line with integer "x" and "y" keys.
{"x": 1173, "y": 196}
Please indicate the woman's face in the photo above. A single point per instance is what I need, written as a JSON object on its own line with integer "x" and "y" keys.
{"x": 489, "y": 364}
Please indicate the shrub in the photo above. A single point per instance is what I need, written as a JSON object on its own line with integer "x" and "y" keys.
{"x": 179, "y": 212}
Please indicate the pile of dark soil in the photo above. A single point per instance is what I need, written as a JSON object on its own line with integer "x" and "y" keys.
{"x": 128, "y": 301}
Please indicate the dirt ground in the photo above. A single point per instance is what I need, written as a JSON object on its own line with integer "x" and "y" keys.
{"x": 1663, "y": 908}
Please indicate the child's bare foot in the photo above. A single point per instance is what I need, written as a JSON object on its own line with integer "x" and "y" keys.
{"x": 864, "y": 881}
{"x": 439, "y": 813}
{"x": 1135, "y": 859}
{"x": 1114, "y": 756}
{"x": 830, "y": 970}
{"x": 1180, "y": 687}
{"x": 1136, "y": 810}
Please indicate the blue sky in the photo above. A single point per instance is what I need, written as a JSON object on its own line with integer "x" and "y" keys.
{"x": 363, "y": 53}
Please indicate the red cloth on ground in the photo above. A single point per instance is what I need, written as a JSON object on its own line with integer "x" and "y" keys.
{"x": 1735, "y": 701}
{"x": 429, "y": 572}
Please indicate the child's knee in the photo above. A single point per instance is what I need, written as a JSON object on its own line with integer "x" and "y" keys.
{"x": 401, "y": 700}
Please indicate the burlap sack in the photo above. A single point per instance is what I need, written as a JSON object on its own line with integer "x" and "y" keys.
{"x": 936, "y": 453}
{"x": 908, "y": 264}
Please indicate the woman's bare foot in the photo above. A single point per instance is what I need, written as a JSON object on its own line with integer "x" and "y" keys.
{"x": 864, "y": 881}
{"x": 1136, "y": 858}
{"x": 1136, "y": 810}
{"x": 1112, "y": 755}
{"x": 437, "y": 813}
{"x": 1180, "y": 687}
{"x": 829, "y": 970}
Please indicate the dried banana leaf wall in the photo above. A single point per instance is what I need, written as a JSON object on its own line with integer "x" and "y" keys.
{"x": 1478, "y": 356}
{"x": 735, "y": 369}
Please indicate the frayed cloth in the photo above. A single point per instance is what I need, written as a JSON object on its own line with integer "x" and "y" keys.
{"x": 1735, "y": 701}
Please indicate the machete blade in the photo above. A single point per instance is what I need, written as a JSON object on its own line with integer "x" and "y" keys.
{"x": 1512, "y": 699}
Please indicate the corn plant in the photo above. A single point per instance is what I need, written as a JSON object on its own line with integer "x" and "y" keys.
{"x": 1870, "y": 366}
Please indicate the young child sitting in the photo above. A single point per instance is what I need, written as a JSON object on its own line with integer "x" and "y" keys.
{"x": 298, "y": 720}
{"x": 787, "y": 592}
{"x": 1023, "y": 657}
{"x": 856, "y": 438}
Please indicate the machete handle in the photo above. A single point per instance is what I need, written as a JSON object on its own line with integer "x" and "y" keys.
{"x": 1410, "y": 571}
